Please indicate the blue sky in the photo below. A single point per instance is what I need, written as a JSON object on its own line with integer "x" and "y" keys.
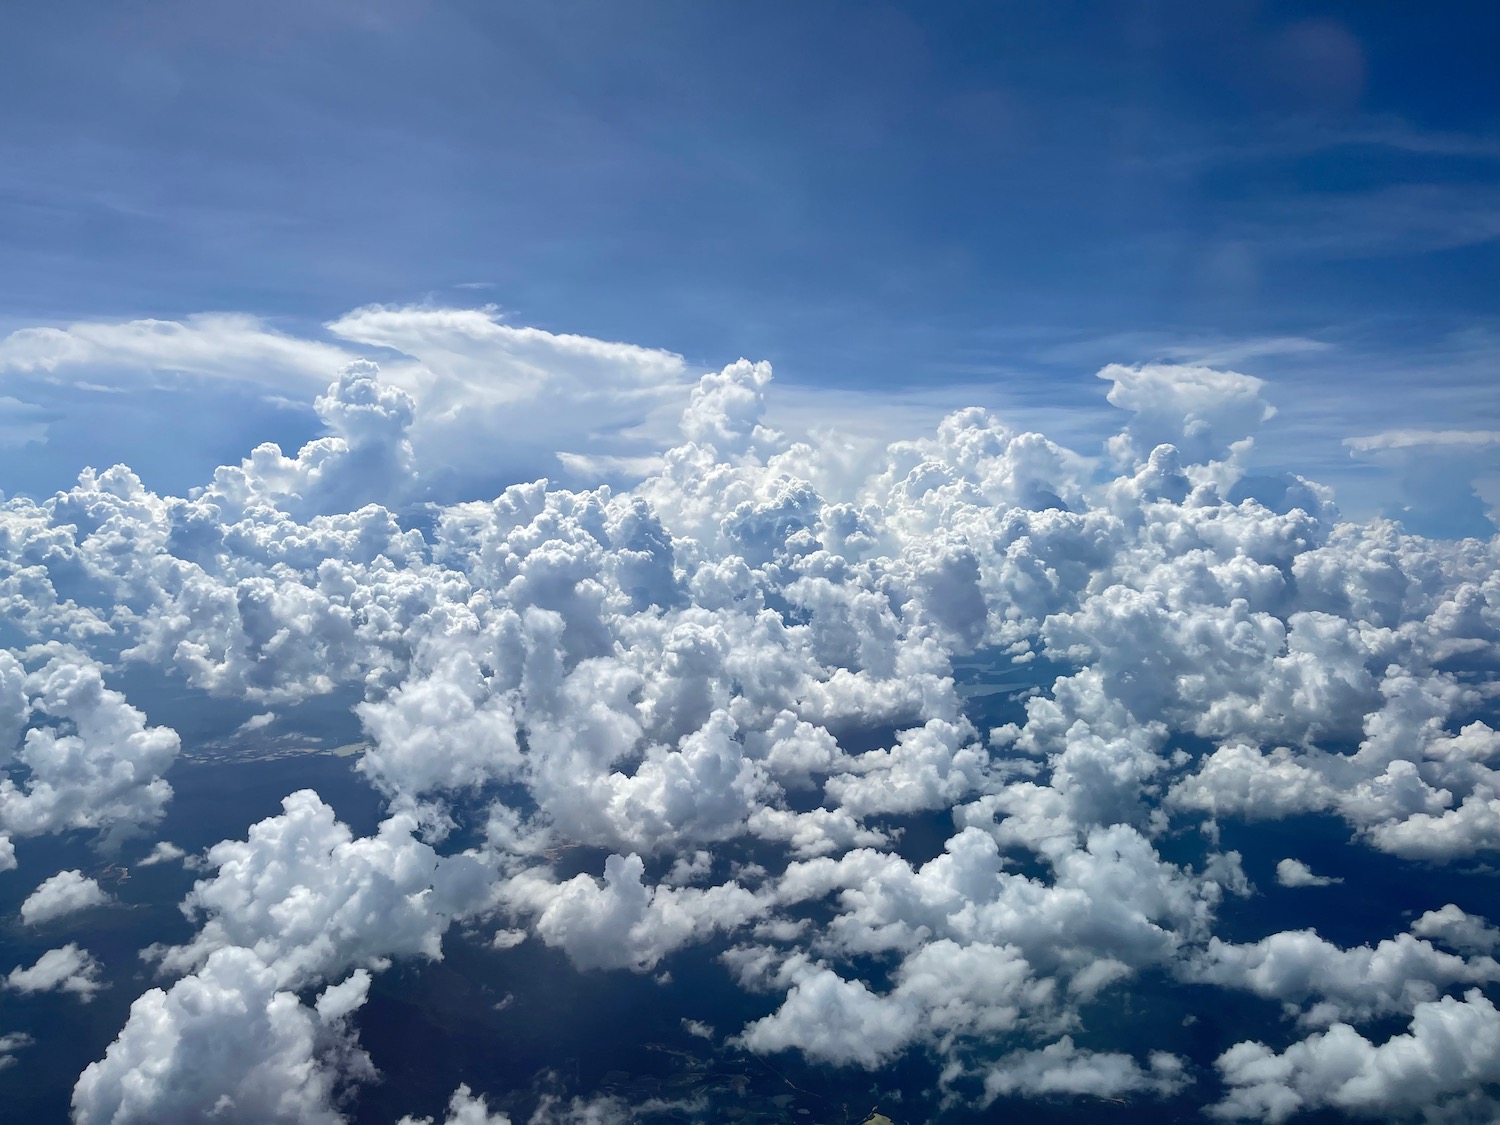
{"x": 1001, "y": 196}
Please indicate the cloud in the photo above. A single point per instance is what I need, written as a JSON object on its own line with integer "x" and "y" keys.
{"x": 833, "y": 1020}
{"x": 472, "y": 377}
{"x": 623, "y": 923}
{"x": 474, "y": 348}
{"x": 1324, "y": 983}
{"x": 301, "y": 891}
{"x": 464, "y": 1108}
{"x": 10, "y": 1043}
{"x": 257, "y": 722}
{"x": 163, "y": 852}
{"x": 945, "y": 993}
{"x": 1202, "y": 411}
{"x": 1064, "y": 1069}
{"x": 231, "y": 346}
{"x": 90, "y": 760}
{"x": 1467, "y": 933}
{"x": 929, "y": 739}
{"x": 366, "y": 457}
{"x": 1295, "y": 873}
{"x": 1423, "y": 439}
{"x": 1440, "y": 1066}
{"x": 65, "y": 893}
{"x": 227, "y": 1044}
{"x": 69, "y": 969}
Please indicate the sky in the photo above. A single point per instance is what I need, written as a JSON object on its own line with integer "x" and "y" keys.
{"x": 979, "y": 203}
{"x": 613, "y": 563}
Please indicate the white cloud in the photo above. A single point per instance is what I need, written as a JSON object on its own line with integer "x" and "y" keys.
{"x": 1450, "y": 475}
{"x": 366, "y": 457}
{"x": 467, "y": 1108}
{"x": 69, "y": 969}
{"x": 1466, "y": 933}
{"x": 1203, "y": 411}
{"x": 833, "y": 1020}
{"x": 473, "y": 347}
{"x": 10, "y": 1043}
{"x": 464, "y": 1108}
{"x": 303, "y": 893}
{"x": 1064, "y": 1069}
{"x": 1324, "y": 983}
{"x": 257, "y": 722}
{"x": 472, "y": 376}
{"x": 1443, "y": 1063}
{"x": 227, "y": 1044}
{"x": 163, "y": 852}
{"x": 1295, "y": 873}
{"x": 737, "y": 682}
{"x": 95, "y": 765}
{"x": 725, "y": 409}
{"x": 65, "y": 893}
{"x": 622, "y": 922}
{"x": 229, "y": 346}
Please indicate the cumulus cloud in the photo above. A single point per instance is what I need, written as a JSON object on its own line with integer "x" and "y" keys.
{"x": 833, "y": 1020}
{"x": 464, "y": 1108}
{"x": 90, "y": 761}
{"x": 365, "y": 457}
{"x": 1323, "y": 983}
{"x": 70, "y": 969}
{"x": 1064, "y": 1069}
{"x": 1441, "y": 1066}
{"x": 600, "y": 404}
{"x": 1202, "y": 411}
{"x": 227, "y": 1044}
{"x": 312, "y": 901}
{"x": 1295, "y": 873}
{"x": 944, "y": 992}
{"x": 621, "y": 922}
{"x": 906, "y": 731}
{"x": 65, "y": 893}
{"x": 164, "y": 851}
{"x": 1466, "y": 933}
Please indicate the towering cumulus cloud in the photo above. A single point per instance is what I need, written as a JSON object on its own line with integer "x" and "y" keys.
{"x": 79, "y": 755}
{"x": 944, "y": 759}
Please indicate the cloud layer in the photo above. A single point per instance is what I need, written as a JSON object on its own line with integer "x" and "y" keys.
{"x": 741, "y": 686}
